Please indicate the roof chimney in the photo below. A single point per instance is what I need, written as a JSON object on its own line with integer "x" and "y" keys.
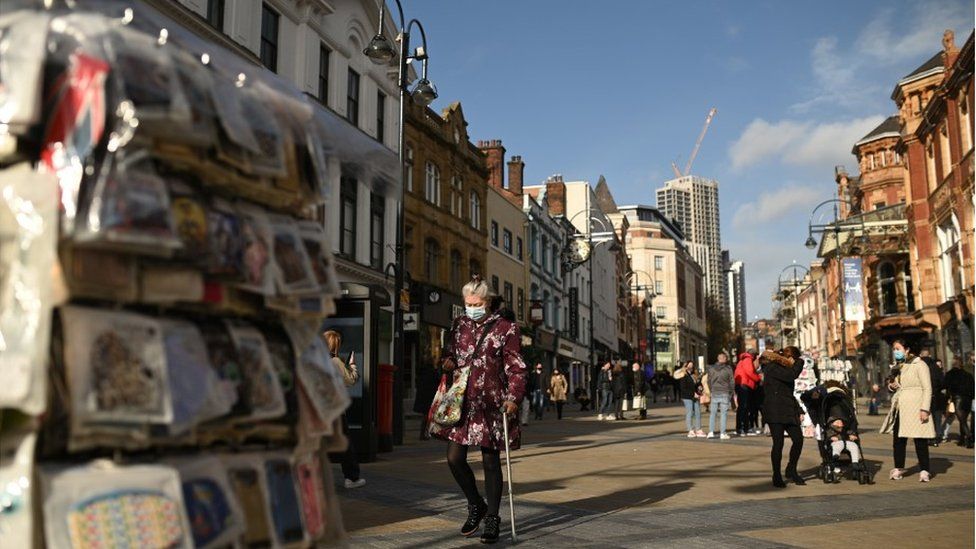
{"x": 516, "y": 172}
{"x": 556, "y": 195}
{"x": 496, "y": 157}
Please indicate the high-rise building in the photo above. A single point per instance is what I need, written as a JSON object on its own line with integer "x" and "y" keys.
{"x": 692, "y": 201}
{"x": 735, "y": 277}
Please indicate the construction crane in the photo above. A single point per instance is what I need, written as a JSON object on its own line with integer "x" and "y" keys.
{"x": 694, "y": 152}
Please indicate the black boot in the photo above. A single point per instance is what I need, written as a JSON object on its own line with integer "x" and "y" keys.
{"x": 795, "y": 477}
{"x": 778, "y": 481}
{"x": 492, "y": 524}
{"x": 476, "y": 512}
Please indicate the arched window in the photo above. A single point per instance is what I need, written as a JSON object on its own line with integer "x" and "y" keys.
{"x": 455, "y": 269}
{"x": 432, "y": 253}
{"x": 908, "y": 287}
{"x": 474, "y": 267}
{"x": 432, "y": 190}
{"x": 886, "y": 287}
{"x": 475, "y": 210}
{"x": 547, "y": 307}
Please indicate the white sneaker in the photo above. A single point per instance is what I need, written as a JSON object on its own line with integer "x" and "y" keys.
{"x": 691, "y": 434}
{"x": 924, "y": 476}
{"x": 710, "y": 435}
{"x": 700, "y": 434}
{"x": 896, "y": 474}
{"x": 350, "y": 484}
{"x": 724, "y": 437}
{"x": 599, "y": 417}
{"x": 752, "y": 433}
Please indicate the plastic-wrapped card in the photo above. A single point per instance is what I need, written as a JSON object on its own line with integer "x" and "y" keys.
{"x": 196, "y": 389}
{"x": 294, "y": 115}
{"x": 197, "y": 82}
{"x": 100, "y": 274}
{"x": 216, "y": 518}
{"x": 28, "y": 261}
{"x": 225, "y": 244}
{"x": 317, "y": 248}
{"x": 101, "y": 505}
{"x": 318, "y": 376}
{"x": 130, "y": 210}
{"x": 116, "y": 367}
{"x": 149, "y": 79}
{"x": 283, "y": 359}
{"x": 257, "y": 250}
{"x": 226, "y": 364}
{"x": 286, "y": 510}
{"x": 23, "y": 34}
{"x": 308, "y": 471}
{"x": 295, "y": 274}
{"x": 170, "y": 284}
{"x": 190, "y": 218}
{"x": 236, "y": 143}
{"x": 16, "y": 490}
{"x": 246, "y": 478}
{"x": 270, "y": 158}
{"x": 262, "y": 389}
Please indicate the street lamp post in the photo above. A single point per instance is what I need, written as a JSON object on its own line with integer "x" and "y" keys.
{"x": 834, "y": 228}
{"x": 381, "y": 51}
{"x": 651, "y": 294}
{"x": 795, "y": 284}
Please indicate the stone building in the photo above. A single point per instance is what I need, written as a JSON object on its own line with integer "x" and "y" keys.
{"x": 445, "y": 226}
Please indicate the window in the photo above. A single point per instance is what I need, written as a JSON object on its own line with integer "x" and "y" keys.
{"x": 494, "y": 233}
{"x": 879, "y": 205}
{"x": 966, "y": 136}
{"x": 547, "y": 309}
{"x": 215, "y": 14}
{"x": 534, "y": 244}
{"x": 556, "y": 311}
{"x": 950, "y": 261}
{"x": 545, "y": 253}
{"x": 325, "y": 57}
{"x": 380, "y": 116}
{"x": 269, "y": 37}
{"x": 888, "y": 297}
{"x": 908, "y": 287}
{"x": 658, "y": 263}
{"x": 352, "y": 97}
{"x": 521, "y": 304}
{"x": 475, "y": 210}
{"x": 659, "y": 287}
{"x": 377, "y": 210}
{"x": 944, "y": 149}
{"x": 507, "y": 241}
{"x": 661, "y": 312}
{"x": 494, "y": 284}
{"x": 930, "y": 165}
{"x": 518, "y": 247}
{"x": 507, "y": 294}
{"x": 432, "y": 253}
{"x": 432, "y": 188}
{"x": 474, "y": 267}
{"x": 347, "y": 216}
{"x": 555, "y": 259}
{"x": 457, "y": 202}
{"x": 455, "y": 269}
{"x": 408, "y": 177}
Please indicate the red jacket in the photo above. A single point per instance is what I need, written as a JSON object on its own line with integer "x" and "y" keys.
{"x": 745, "y": 372}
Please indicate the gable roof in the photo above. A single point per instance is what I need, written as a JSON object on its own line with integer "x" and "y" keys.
{"x": 604, "y": 198}
{"x": 891, "y": 127}
{"x": 934, "y": 65}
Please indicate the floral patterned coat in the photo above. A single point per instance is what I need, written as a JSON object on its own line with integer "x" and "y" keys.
{"x": 498, "y": 374}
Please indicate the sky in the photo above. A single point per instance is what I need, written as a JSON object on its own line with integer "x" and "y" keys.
{"x": 622, "y": 89}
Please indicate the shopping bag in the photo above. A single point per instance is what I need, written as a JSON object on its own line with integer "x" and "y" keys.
{"x": 449, "y": 400}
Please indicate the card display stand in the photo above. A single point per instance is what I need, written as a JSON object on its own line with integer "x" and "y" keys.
{"x": 164, "y": 274}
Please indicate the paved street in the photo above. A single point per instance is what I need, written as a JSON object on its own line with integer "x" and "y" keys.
{"x": 584, "y": 483}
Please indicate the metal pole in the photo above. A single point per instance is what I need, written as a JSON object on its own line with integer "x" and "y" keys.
{"x": 589, "y": 291}
{"x": 398, "y": 342}
{"x": 840, "y": 290}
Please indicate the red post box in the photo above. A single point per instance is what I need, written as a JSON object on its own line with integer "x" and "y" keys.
{"x": 384, "y": 408}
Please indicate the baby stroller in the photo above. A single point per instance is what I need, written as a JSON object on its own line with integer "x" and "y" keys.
{"x": 827, "y": 403}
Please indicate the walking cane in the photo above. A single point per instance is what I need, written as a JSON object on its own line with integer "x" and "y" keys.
{"x": 508, "y": 466}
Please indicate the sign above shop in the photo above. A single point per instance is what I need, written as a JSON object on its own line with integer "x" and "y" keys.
{"x": 536, "y": 313}
{"x": 411, "y": 322}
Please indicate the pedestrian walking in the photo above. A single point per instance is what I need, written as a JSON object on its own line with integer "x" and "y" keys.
{"x": 909, "y": 416}
{"x": 619, "y": 384}
{"x": 558, "y": 388}
{"x": 937, "y": 405}
{"x": 605, "y": 389}
{"x": 536, "y": 387}
{"x": 721, "y": 387}
{"x": 675, "y": 386}
{"x": 348, "y": 460}
{"x": 781, "y": 410}
{"x": 690, "y": 392}
{"x": 638, "y": 386}
{"x": 875, "y": 403}
{"x": 746, "y": 381}
{"x": 488, "y": 346}
{"x": 655, "y": 385}
{"x": 959, "y": 385}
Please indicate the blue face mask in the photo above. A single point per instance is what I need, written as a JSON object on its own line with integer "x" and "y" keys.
{"x": 476, "y": 313}
{"x": 899, "y": 355}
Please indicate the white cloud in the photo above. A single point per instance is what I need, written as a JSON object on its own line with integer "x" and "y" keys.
{"x": 777, "y": 204}
{"x": 799, "y": 143}
{"x": 852, "y": 76}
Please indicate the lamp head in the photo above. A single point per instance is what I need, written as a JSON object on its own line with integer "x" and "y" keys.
{"x": 811, "y": 242}
{"x": 424, "y": 93}
{"x": 380, "y": 50}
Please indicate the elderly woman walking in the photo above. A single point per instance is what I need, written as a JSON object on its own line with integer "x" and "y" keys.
{"x": 909, "y": 416}
{"x": 489, "y": 346}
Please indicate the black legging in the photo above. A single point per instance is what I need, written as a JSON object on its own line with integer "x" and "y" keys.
{"x": 776, "y": 455}
{"x": 901, "y": 445}
{"x": 742, "y": 410}
{"x": 963, "y": 410}
{"x": 559, "y": 408}
{"x": 457, "y": 459}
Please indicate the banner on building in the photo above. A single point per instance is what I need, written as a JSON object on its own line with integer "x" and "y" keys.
{"x": 853, "y": 289}
{"x": 574, "y": 313}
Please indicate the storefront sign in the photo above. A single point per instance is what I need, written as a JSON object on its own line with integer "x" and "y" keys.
{"x": 411, "y": 321}
{"x": 536, "y": 313}
{"x": 545, "y": 341}
{"x": 853, "y": 289}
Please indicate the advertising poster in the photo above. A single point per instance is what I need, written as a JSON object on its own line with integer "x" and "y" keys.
{"x": 853, "y": 289}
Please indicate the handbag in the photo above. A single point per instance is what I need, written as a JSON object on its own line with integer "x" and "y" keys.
{"x": 449, "y": 400}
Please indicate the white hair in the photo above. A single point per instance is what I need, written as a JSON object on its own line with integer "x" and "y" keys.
{"x": 478, "y": 288}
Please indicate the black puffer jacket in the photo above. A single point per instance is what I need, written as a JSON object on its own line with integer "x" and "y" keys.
{"x": 779, "y": 404}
